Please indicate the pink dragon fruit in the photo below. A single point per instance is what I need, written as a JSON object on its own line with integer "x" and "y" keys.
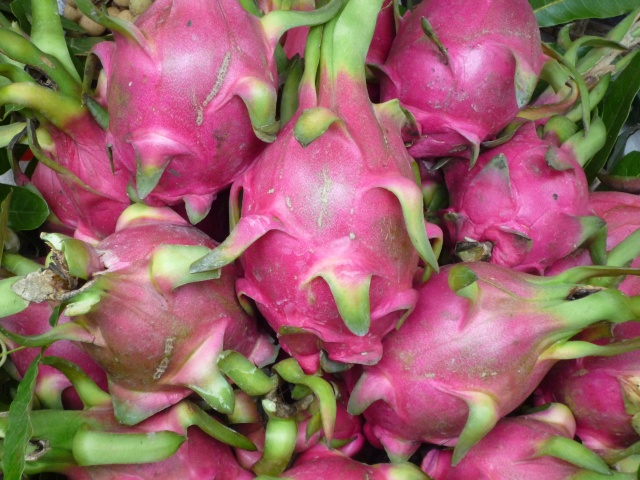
{"x": 191, "y": 91}
{"x": 478, "y": 343}
{"x": 52, "y": 387}
{"x": 74, "y": 174}
{"x": 137, "y": 287}
{"x": 325, "y": 463}
{"x": 621, "y": 212}
{"x": 331, "y": 213}
{"x": 602, "y": 393}
{"x": 528, "y": 199}
{"x": 464, "y": 69}
{"x": 528, "y": 447}
{"x": 90, "y": 444}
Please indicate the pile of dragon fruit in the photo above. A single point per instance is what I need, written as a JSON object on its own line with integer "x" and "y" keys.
{"x": 300, "y": 239}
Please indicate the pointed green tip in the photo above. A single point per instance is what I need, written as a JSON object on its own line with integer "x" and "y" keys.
{"x": 461, "y": 277}
{"x": 147, "y": 178}
{"x": 573, "y": 452}
{"x": 313, "y": 123}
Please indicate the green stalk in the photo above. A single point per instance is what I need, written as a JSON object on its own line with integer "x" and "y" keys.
{"x": 47, "y": 33}
{"x": 15, "y": 73}
{"x": 59, "y": 109}
{"x": 17, "y": 47}
{"x": 19, "y": 265}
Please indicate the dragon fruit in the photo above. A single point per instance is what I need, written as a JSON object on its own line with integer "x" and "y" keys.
{"x": 191, "y": 91}
{"x": 463, "y": 69}
{"x": 90, "y": 444}
{"x": 331, "y": 212}
{"x": 621, "y": 212}
{"x": 528, "y": 199}
{"x": 602, "y": 393}
{"x": 74, "y": 174}
{"x": 478, "y": 343}
{"x": 137, "y": 286}
{"x": 528, "y": 447}
{"x": 325, "y": 463}
{"x": 52, "y": 387}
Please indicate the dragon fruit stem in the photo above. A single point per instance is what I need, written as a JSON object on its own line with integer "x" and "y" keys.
{"x": 307, "y": 91}
{"x": 291, "y": 372}
{"x": 586, "y": 145}
{"x": 15, "y": 74}
{"x": 19, "y": 265}
{"x": 57, "y": 108}
{"x": 596, "y": 94}
{"x": 8, "y": 133}
{"x": 344, "y": 52}
{"x": 280, "y": 442}
{"x": 249, "y": 378}
{"x": 18, "y": 48}
{"x": 100, "y": 448}
{"x": 277, "y": 22}
{"x": 47, "y": 33}
{"x": 289, "y": 98}
{"x": 611, "y": 305}
{"x": 582, "y": 274}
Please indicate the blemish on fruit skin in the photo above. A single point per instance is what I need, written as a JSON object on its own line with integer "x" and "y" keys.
{"x": 169, "y": 344}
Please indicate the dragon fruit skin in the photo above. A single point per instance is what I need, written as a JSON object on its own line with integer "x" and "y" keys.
{"x": 186, "y": 321}
{"x": 458, "y": 101}
{"x": 325, "y": 463}
{"x": 198, "y": 458}
{"x": 521, "y": 447}
{"x": 527, "y": 197}
{"x": 52, "y": 387}
{"x": 465, "y": 358}
{"x": 80, "y": 148}
{"x": 181, "y": 68}
{"x": 326, "y": 230}
{"x": 220, "y": 90}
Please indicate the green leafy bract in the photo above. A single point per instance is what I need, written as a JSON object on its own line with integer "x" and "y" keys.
{"x": 556, "y": 12}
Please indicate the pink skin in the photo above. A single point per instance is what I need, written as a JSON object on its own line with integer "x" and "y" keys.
{"x": 189, "y": 325}
{"x": 528, "y": 198}
{"x": 451, "y": 354}
{"x": 179, "y": 103}
{"x": 331, "y": 215}
{"x": 82, "y": 151}
{"x": 510, "y": 450}
{"x": 326, "y": 463}
{"x": 602, "y": 393}
{"x": 51, "y": 385}
{"x": 621, "y": 212}
{"x": 200, "y": 457}
{"x": 492, "y": 46}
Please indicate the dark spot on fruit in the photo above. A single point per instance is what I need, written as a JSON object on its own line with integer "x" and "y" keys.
{"x": 576, "y": 293}
{"x": 555, "y": 196}
{"x": 189, "y": 23}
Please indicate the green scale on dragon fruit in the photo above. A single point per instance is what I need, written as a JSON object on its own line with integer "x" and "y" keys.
{"x": 480, "y": 340}
{"x": 536, "y": 446}
{"x": 463, "y": 68}
{"x": 90, "y": 444}
{"x": 526, "y": 201}
{"x": 74, "y": 174}
{"x": 191, "y": 94}
{"x": 331, "y": 226}
{"x": 155, "y": 329}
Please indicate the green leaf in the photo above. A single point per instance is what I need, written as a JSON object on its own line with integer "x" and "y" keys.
{"x": 628, "y": 166}
{"x": 4, "y": 161}
{"x": 19, "y": 425}
{"x": 27, "y": 210}
{"x": 555, "y": 12}
{"x": 22, "y": 11}
{"x": 616, "y": 106}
